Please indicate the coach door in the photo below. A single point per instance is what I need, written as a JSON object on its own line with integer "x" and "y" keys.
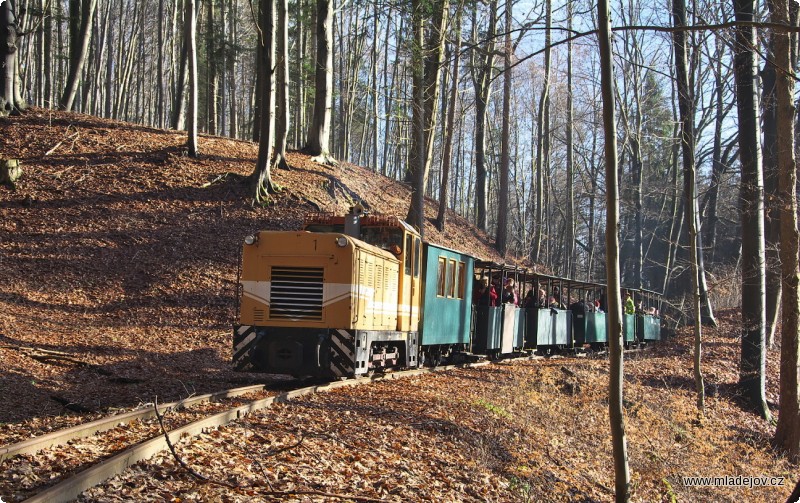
{"x": 410, "y": 291}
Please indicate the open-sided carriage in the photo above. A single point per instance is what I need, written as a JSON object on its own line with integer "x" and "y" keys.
{"x": 499, "y": 328}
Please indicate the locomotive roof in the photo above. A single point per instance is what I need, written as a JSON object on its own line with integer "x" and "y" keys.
{"x": 367, "y": 220}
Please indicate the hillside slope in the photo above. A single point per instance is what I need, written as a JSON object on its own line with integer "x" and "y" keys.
{"x": 118, "y": 247}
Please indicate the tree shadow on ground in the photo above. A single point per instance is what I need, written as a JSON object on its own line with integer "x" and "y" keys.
{"x": 133, "y": 378}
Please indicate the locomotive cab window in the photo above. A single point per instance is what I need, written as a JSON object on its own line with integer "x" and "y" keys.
{"x": 417, "y": 256}
{"x": 409, "y": 252}
{"x": 386, "y": 238}
{"x": 441, "y": 278}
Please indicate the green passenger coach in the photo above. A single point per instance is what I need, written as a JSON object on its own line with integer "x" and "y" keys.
{"x": 447, "y": 306}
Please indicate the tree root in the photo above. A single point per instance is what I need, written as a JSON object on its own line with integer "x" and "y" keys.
{"x": 325, "y": 158}
{"x": 221, "y": 178}
{"x": 70, "y": 405}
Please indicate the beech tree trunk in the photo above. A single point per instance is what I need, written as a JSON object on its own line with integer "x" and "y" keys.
{"x": 501, "y": 239}
{"x": 542, "y": 143}
{"x": 282, "y": 85}
{"x": 449, "y": 132}
{"x": 482, "y": 80}
{"x": 426, "y": 64}
{"x": 178, "y": 112}
{"x": 191, "y": 48}
{"x": 9, "y": 78}
{"x": 317, "y": 143}
{"x": 787, "y": 433}
{"x": 622, "y": 478}
{"x": 752, "y": 372}
{"x": 772, "y": 212}
{"x": 690, "y": 186}
{"x": 570, "y": 261}
{"x": 416, "y": 210}
{"x": 79, "y": 56}
{"x": 262, "y": 174}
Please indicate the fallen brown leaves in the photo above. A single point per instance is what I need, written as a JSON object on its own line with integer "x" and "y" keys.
{"x": 510, "y": 432}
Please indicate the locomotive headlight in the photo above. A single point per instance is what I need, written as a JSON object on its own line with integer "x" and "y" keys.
{"x": 341, "y": 241}
{"x": 251, "y": 239}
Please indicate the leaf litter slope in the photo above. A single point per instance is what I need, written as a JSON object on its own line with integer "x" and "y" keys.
{"x": 121, "y": 252}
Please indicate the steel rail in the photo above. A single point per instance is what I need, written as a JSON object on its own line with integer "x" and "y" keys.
{"x": 61, "y": 437}
{"x": 72, "y": 487}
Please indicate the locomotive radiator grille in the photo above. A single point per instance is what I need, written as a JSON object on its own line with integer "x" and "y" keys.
{"x": 296, "y": 293}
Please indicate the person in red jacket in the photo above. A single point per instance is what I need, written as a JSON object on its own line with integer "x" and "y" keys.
{"x": 486, "y": 295}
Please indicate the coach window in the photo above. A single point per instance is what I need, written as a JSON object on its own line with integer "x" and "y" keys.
{"x": 417, "y": 256}
{"x": 451, "y": 279}
{"x": 441, "y": 277}
{"x": 462, "y": 272}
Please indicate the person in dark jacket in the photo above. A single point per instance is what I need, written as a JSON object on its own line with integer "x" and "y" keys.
{"x": 486, "y": 294}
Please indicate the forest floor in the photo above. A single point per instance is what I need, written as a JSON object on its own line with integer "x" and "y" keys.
{"x": 121, "y": 252}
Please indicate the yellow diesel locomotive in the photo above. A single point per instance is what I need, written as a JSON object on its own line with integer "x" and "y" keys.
{"x": 339, "y": 299}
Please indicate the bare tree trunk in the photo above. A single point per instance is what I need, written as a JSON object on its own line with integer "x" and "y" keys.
{"x": 109, "y": 81}
{"x": 160, "y": 67}
{"x": 772, "y": 211}
{"x": 317, "y": 143}
{"x": 424, "y": 111}
{"x": 449, "y": 129}
{"x": 261, "y": 177}
{"x": 282, "y": 85}
{"x": 212, "y": 77}
{"x": 48, "y": 55}
{"x": 676, "y": 219}
{"x": 787, "y": 433}
{"x": 77, "y": 61}
{"x": 622, "y": 478}
{"x": 752, "y": 374}
{"x": 416, "y": 210}
{"x": 541, "y": 142}
{"x": 501, "y": 240}
{"x": 191, "y": 47}
{"x": 300, "y": 93}
{"x": 9, "y": 77}
{"x": 233, "y": 114}
{"x": 690, "y": 187}
{"x": 483, "y": 82}
{"x": 100, "y": 55}
{"x": 434, "y": 61}
{"x": 375, "y": 118}
{"x": 569, "y": 238}
{"x": 717, "y": 167}
{"x": 178, "y": 102}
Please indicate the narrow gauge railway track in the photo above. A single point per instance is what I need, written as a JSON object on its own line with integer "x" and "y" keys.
{"x": 29, "y": 466}
{"x": 101, "y": 467}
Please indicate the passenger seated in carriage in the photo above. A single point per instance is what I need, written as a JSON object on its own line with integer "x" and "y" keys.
{"x": 529, "y": 302}
{"x": 555, "y": 301}
{"x": 485, "y": 294}
{"x": 578, "y": 308}
{"x": 509, "y": 293}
